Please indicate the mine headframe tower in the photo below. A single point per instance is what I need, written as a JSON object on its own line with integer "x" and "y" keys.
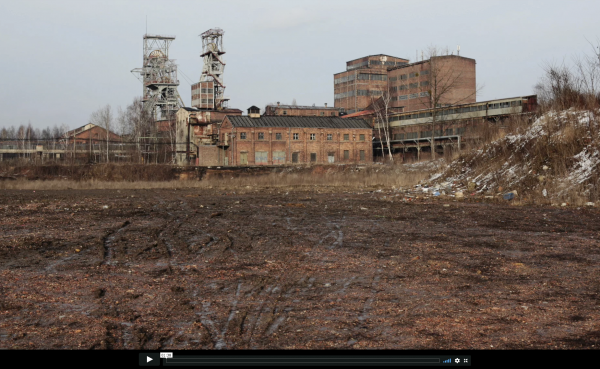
{"x": 209, "y": 92}
{"x": 158, "y": 75}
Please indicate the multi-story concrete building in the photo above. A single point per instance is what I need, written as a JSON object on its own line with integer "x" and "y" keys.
{"x": 275, "y": 140}
{"x": 449, "y": 78}
{"x": 365, "y": 79}
{"x": 409, "y": 85}
{"x": 303, "y": 110}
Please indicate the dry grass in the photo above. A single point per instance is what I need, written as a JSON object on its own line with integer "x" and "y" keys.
{"x": 373, "y": 176}
{"x": 533, "y": 158}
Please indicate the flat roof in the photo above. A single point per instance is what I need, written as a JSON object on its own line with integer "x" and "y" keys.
{"x": 425, "y": 61}
{"x": 368, "y": 56}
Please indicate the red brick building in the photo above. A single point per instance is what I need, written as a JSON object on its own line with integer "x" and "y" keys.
{"x": 277, "y": 140}
{"x": 90, "y": 132}
{"x": 364, "y": 80}
{"x": 410, "y": 85}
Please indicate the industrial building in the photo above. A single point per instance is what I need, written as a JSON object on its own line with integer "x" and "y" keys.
{"x": 453, "y": 76}
{"x": 197, "y": 126}
{"x": 197, "y": 135}
{"x": 411, "y": 132}
{"x": 210, "y": 133}
{"x": 364, "y": 79}
{"x": 303, "y": 110}
{"x": 280, "y": 140}
{"x": 89, "y": 142}
{"x": 409, "y": 85}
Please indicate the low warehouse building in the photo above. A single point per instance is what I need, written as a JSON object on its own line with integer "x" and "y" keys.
{"x": 276, "y": 140}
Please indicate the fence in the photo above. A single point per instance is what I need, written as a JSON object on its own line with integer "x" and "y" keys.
{"x": 148, "y": 150}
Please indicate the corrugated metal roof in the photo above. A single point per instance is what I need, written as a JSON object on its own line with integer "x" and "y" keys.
{"x": 297, "y": 122}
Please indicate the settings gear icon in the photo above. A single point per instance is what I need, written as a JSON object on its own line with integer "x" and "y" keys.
{"x": 457, "y": 360}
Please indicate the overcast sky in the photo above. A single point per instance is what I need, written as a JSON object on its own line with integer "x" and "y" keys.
{"x": 61, "y": 60}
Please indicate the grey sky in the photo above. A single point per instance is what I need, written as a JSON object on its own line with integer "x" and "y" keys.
{"x": 61, "y": 60}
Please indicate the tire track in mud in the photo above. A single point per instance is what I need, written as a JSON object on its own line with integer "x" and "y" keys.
{"x": 218, "y": 336}
{"x": 171, "y": 228}
{"x": 263, "y": 312}
{"x": 364, "y": 315}
{"x": 108, "y": 241}
{"x": 271, "y": 314}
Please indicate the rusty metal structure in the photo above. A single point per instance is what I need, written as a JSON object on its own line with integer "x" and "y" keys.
{"x": 159, "y": 78}
{"x": 209, "y": 92}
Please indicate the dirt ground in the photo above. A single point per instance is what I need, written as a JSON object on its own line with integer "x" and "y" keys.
{"x": 297, "y": 269}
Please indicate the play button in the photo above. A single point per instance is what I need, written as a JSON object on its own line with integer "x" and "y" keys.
{"x": 149, "y": 359}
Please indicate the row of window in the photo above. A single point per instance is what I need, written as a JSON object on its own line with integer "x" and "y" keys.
{"x": 411, "y": 85}
{"x": 389, "y": 63}
{"x": 296, "y": 136}
{"x": 411, "y": 96}
{"x": 278, "y": 157}
{"x": 403, "y": 77}
{"x": 344, "y": 95}
{"x": 369, "y": 93}
{"x": 465, "y": 109}
{"x": 358, "y": 65}
{"x": 362, "y": 77}
{"x": 321, "y": 113}
{"x": 372, "y": 77}
{"x": 207, "y": 91}
{"x": 358, "y": 93}
{"x": 344, "y": 79}
{"x": 427, "y": 134}
{"x": 330, "y": 156}
{"x": 375, "y": 62}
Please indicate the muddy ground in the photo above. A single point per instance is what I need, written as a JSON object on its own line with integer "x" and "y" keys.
{"x": 297, "y": 269}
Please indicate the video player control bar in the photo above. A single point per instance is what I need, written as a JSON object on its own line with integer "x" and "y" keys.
{"x": 325, "y": 360}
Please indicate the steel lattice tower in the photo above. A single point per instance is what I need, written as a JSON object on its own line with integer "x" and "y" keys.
{"x": 209, "y": 92}
{"x": 159, "y": 77}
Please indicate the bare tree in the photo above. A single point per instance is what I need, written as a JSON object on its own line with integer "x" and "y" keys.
{"x": 382, "y": 110}
{"x": 11, "y": 132}
{"x": 559, "y": 88}
{"x": 103, "y": 117}
{"x": 444, "y": 85}
{"x": 135, "y": 123}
